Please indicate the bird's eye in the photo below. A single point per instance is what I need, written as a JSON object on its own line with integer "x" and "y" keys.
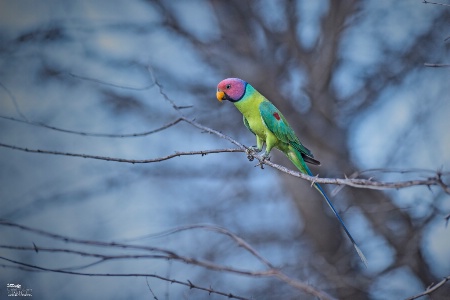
{"x": 228, "y": 86}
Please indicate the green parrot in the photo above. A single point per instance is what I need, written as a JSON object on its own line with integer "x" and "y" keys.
{"x": 270, "y": 127}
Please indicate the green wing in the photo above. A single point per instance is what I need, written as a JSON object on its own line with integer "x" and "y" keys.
{"x": 247, "y": 125}
{"x": 277, "y": 124}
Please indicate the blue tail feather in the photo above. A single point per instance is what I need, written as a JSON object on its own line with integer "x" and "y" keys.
{"x": 301, "y": 165}
{"x": 319, "y": 188}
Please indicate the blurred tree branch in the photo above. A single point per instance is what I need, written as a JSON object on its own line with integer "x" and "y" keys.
{"x": 436, "y": 65}
{"x": 156, "y": 253}
{"x": 435, "y": 3}
{"x": 434, "y": 180}
{"x": 32, "y": 267}
{"x": 432, "y": 288}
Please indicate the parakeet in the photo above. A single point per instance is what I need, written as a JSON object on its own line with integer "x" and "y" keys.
{"x": 270, "y": 127}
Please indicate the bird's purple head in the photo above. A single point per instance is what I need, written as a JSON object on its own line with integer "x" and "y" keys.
{"x": 232, "y": 89}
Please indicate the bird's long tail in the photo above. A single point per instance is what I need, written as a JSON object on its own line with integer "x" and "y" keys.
{"x": 295, "y": 157}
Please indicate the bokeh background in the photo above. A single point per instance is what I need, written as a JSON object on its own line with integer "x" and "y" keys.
{"x": 348, "y": 75}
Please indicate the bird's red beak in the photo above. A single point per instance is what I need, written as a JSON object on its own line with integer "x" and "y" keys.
{"x": 220, "y": 95}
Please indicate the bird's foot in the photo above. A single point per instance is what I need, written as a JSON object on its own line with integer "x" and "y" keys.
{"x": 250, "y": 151}
{"x": 255, "y": 148}
{"x": 265, "y": 157}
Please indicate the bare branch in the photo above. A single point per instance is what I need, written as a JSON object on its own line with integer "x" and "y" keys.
{"x": 213, "y": 131}
{"x": 112, "y": 84}
{"x": 108, "y": 135}
{"x": 160, "y": 87}
{"x": 160, "y": 253}
{"x": 363, "y": 183}
{"x": 436, "y": 65}
{"x": 435, "y": 180}
{"x": 151, "y": 291}
{"x": 14, "y": 101}
{"x": 435, "y": 3}
{"x": 123, "y": 160}
{"x": 188, "y": 284}
{"x": 431, "y": 288}
{"x": 239, "y": 241}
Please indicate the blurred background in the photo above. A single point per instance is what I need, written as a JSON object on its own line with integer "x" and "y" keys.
{"x": 348, "y": 75}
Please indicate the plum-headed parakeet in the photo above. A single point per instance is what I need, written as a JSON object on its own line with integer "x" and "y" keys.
{"x": 270, "y": 127}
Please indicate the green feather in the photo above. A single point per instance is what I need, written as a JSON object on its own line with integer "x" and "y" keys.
{"x": 283, "y": 131}
{"x": 248, "y": 125}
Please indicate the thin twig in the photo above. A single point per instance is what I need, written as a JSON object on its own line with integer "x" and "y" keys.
{"x": 148, "y": 285}
{"x": 188, "y": 284}
{"x": 122, "y": 160}
{"x": 161, "y": 253}
{"x": 431, "y": 289}
{"x": 161, "y": 91}
{"x": 112, "y": 84}
{"x": 108, "y": 135}
{"x": 435, "y": 3}
{"x": 435, "y": 180}
{"x": 213, "y": 131}
{"x": 239, "y": 241}
{"x": 362, "y": 183}
{"x": 436, "y": 65}
{"x": 14, "y": 101}
{"x": 353, "y": 182}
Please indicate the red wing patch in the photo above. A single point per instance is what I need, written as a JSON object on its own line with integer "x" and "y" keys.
{"x": 277, "y": 116}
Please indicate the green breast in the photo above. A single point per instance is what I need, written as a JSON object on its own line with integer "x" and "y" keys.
{"x": 249, "y": 107}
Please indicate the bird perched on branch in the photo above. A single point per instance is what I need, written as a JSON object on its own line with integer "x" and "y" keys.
{"x": 270, "y": 127}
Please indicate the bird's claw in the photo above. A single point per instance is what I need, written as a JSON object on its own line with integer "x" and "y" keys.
{"x": 261, "y": 162}
{"x": 249, "y": 153}
{"x": 250, "y": 150}
{"x": 255, "y": 148}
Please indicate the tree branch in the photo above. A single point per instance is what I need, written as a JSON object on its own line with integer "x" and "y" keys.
{"x": 436, "y": 65}
{"x": 435, "y": 180}
{"x": 122, "y": 160}
{"x": 83, "y": 133}
{"x": 14, "y": 101}
{"x": 188, "y": 283}
{"x": 435, "y": 3}
{"x": 160, "y": 254}
{"x": 431, "y": 288}
{"x": 143, "y": 88}
{"x": 239, "y": 241}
